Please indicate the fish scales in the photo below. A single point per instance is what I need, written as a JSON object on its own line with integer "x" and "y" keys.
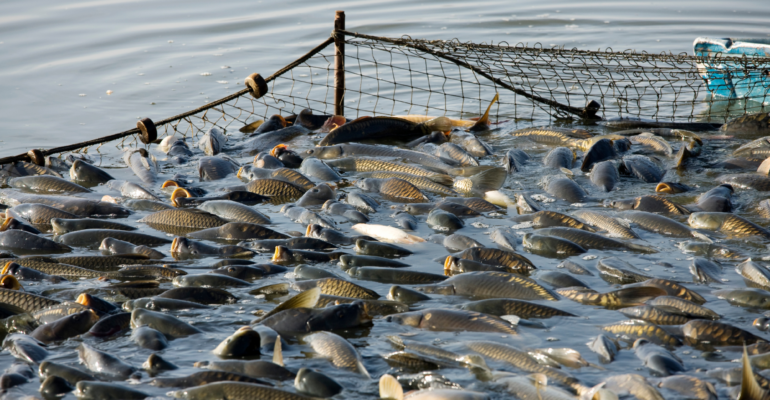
{"x": 420, "y": 182}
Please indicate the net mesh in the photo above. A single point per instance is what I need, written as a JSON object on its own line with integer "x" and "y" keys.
{"x": 398, "y": 76}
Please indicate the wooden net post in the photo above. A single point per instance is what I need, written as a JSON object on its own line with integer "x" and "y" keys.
{"x": 339, "y": 63}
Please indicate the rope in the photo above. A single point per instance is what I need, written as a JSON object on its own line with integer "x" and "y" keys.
{"x": 208, "y": 106}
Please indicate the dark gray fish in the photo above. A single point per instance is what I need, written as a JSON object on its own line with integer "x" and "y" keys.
{"x": 143, "y": 164}
{"x": 566, "y": 189}
{"x": 22, "y": 242}
{"x": 149, "y": 338}
{"x": 61, "y": 226}
{"x": 559, "y": 157}
{"x": 350, "y": 260}
{"x": 406, "y": 220}
{"x": 317, "y": 195}
{"x": 316, "y": 384}
{"x": 316, "y": 168}
{"x": 605, "y": 175}
{"x": 212, "y": 142}
{"x": 601, "y": 150}
{"x": 212, "y": 168}
{"x": 641, "y": 167}
{"x": 167, "y": 324}
{"x": 103, "y": 363}
{"x": 87, "y": 174}
{"x": 514, "y": 160}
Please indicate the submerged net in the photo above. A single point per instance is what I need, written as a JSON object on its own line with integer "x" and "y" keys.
{"x": 398, "y": 76}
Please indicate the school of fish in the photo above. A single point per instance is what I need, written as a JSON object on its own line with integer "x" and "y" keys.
{"x": 406, "y": 257}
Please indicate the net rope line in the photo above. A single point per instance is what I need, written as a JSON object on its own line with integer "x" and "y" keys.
{"x": 453, "y": 77}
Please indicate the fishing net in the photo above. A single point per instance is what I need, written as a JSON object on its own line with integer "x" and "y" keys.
{"x": 398, "y": 76}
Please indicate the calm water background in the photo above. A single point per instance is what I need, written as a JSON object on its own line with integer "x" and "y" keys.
{"x": 60, "y": 57}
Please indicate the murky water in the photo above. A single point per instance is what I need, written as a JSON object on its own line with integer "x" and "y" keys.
{"x": 60, "y": 59}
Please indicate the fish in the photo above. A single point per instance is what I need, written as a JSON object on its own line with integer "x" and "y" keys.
{"x": 364, "y": 164}
{"x": 559, "y": 157}
{"x": 420, "y": 182}
{"x": 390, "y": 275}
{"x": 212, "y": 168}
{"x": 387, "y": 234}
{"x": 316, "y": 384}
{"x": 490, "y": 284}
{"x": 180, "y": 220}
{"x": 393, "y": 189}
{"x": 237, "y": 231}
{"x": 437, "y": 319}
{"x": 613, "y": 226}
{"x": 61, "y": 226}
{"x": 519, "y": 308}
{"x": 102, "y": 363}
{"x": 637, "y": 329}
{"x": 589, "y": 240}
{"x": 45, "y": 184}
{"x": 615, "y": 299}
{"x": 234, "y": 212}
{"x": 726, "y": 223}
{"x": 212, "y": 142}
{"x": 481, "y": 183}
{"x": 565, "y": 189}
{"x": 519, "y": 359}
{"x": 277, "y": 190}
{"x": 144, "y": 165}
{"x": 604, "y": 347}
{"x": 707, "y": 333}
{"x": 301, "y": 320}
{"x": 550, "y": 246}
{"x": 338, "y": 350}
{"x": 66, "y": 327}
{"x": 374, "y": 128}
{"x": 509, "y": 259}
{"x": 338, "y": 287}
{"x": 514, "y": 160}
{"x": 235, "y": 390}
{"x": 94, "y": 237}
{"x": 642, "y": 168}
{"x": 80, "y": 207}
{"x": 428, "y": 161}
{"x": 169, "y": 325}
{"x": 661, "y": 224}
{"x": 317, "y": 168}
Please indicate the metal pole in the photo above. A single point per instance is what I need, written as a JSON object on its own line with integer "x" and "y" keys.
{"x": 339, "y": 63}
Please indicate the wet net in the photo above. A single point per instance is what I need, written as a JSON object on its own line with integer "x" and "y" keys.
{"x": 399, "y": 76}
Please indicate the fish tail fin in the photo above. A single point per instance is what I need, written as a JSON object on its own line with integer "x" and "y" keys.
{"x": 750, "y": 389}
{"x": 277, "y": 352}
{"x": 396, "y": 340}
{"x": 307, "y": 299}
{"x": 390, "y": 388}
{"x": 483, "y": 123}
{"x": 441, "y": 124}
{"x": 489, "y": 180}
{"x": 681, "y": 156}
{"x": 442, "y": 179}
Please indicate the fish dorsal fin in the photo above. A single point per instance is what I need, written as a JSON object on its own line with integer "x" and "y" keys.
{"x": 390, "y": 388}
{"x": 483, "y": 122}
{"x": 277, "y": 352}
{"x": 307, "y": 299}
{"x": 750, "y": 389}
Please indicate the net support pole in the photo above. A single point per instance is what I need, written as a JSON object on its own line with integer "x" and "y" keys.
{"x": 339, "y": 62}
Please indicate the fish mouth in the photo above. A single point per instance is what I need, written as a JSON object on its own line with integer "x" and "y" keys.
{"x": 308, "y": 230}
{"x": 240, "y": 172}
{"x": 282, "y": 120}
{"x": 6, "y": 267}
{"x": 278, "y": 255}
{"x": 274, "y": 151}
{"x": 179, "y": 192}
{"x": 449, "y": 262}
{"x": 6, "y": 224}
{"x": 84, "y": 299}
{"x": 175, "y": 245}
{"x": 10, "y": 282}
{"x": 169, "y": 183}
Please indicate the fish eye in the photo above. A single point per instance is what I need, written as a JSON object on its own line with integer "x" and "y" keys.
{"x": 230, "y": 269}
